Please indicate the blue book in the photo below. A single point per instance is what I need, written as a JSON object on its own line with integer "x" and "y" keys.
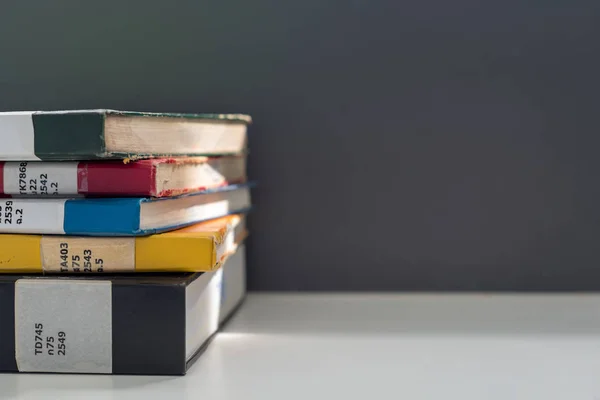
{"x": 119, "y": 216}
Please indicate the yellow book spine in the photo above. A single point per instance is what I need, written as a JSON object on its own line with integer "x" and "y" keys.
{"x": 174, "y": 252}
{"x": 197, "y": 248}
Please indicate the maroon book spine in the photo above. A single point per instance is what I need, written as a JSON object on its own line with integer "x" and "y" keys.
{"x": 115, "y": 178}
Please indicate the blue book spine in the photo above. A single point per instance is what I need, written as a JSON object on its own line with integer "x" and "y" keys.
{"x": 114, "y": 217}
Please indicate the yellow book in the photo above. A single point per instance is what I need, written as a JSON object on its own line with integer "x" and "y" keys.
{"x": 200, "y": 247}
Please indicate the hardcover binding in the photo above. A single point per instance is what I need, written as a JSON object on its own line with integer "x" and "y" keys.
{"x": 73, "y": 134}
{"x": 147, "y": 318}
{"x": 109, "y": 178}
{"x": 102, "y": 217}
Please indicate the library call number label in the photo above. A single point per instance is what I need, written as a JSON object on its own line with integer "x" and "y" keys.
{"x": 83, "y": 262}
{"x": 9, "y": 214}
{"x": 53, "y": 345}
{"x": 40, "y": 178}
{"x": 69, "y": 254}
{"x": 63, "y": 325}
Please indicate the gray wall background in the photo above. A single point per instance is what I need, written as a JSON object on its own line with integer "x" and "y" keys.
{"x": 399, "y": 144}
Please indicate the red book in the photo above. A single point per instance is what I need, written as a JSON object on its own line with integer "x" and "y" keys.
{"x": 157, "y": 177}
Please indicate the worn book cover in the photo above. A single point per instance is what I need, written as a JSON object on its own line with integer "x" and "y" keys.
{"x": 158, "y": 177}
{"x": 197, "y": 248}
{"x": 102, "y": 134}
{"x": 131, "y": 216}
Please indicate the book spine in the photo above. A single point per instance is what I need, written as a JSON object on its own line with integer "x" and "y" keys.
{"x": 80, "y": 255}
{"x": 85, "y": 326}
{"x": 34, "y": 136}
{"x": 176, "y": 251}
{"x": 107, "y": 178}
{"x": 66, "y": 254}
{"x": 100, "y": 217}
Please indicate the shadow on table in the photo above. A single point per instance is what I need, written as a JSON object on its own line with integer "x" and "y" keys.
{"x": 424, "y": 314}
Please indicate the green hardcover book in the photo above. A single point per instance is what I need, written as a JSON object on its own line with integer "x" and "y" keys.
{"x": 106, "y": 134}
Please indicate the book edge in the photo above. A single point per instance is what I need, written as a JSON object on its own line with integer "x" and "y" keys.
{"x": 232, "y": 117}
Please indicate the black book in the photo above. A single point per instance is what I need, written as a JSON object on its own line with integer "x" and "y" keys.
{"x": 154, "y": 324}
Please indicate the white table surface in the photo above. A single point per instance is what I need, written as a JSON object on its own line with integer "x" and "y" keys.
{"x": 397, "y": 346}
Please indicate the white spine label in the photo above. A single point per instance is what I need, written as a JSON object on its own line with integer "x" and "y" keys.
{"x": 40, "y": 178}
{"x": 63, "y": 326}
{"x": 17, "y": 136}
{"x": 32, "y": 215}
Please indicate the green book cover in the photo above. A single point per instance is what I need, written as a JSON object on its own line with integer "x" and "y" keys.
{"x": 111, "y": 134}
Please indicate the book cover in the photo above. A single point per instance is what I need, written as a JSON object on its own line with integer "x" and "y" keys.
{"x": 102, "y": 134}
{"x": 197, "y": 248}
{"x": 158, "y": 177}
{"x": 120, "y": 216}
{"x": 155, "y": 324}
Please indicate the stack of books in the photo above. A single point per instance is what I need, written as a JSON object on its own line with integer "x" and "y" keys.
{"x": 121, "y": 238}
